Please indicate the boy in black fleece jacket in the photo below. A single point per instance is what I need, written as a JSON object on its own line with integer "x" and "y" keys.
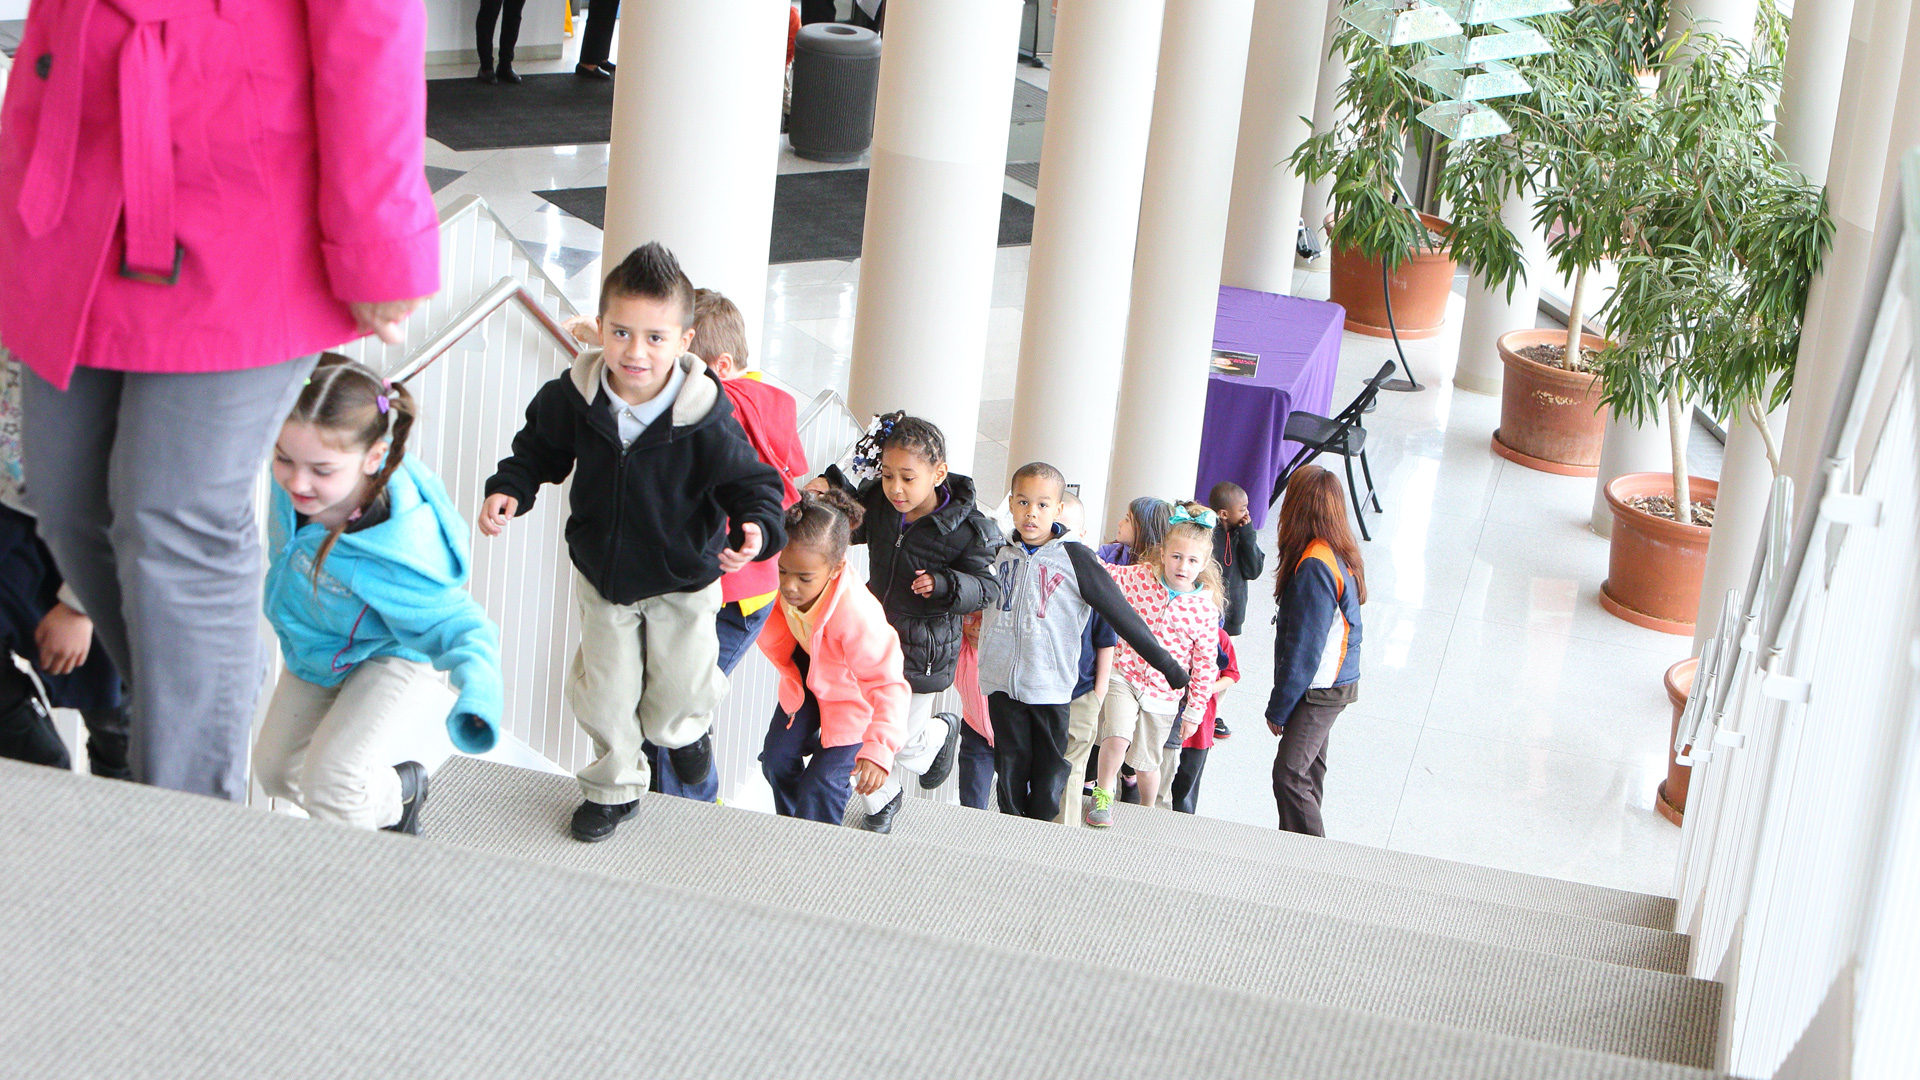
{"x": 667, "y": 494}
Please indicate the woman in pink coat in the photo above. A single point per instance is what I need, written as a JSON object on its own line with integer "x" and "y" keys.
{"x": 196, "y": 197}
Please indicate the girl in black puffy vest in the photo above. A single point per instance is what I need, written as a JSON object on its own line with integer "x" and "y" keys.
{"x": 930, "y": 557}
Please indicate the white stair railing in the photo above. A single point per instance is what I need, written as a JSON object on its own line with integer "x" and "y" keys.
{"x": 1799, "y": 877}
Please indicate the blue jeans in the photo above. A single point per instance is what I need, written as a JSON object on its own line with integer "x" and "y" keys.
{"x": 737, "y": 634}
{"x": 809, "y": 781}
{"x": 976, "y": 769}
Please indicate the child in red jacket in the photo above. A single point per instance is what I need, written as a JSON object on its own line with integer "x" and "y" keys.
{"x": 1192, "y": 755}
{"x": 843, "y": 691}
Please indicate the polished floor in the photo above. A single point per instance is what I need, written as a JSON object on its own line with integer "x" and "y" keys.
{"x": 1504, "y": 718}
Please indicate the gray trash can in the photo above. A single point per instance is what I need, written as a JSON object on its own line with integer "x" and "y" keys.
{"x": 836, "y": 74}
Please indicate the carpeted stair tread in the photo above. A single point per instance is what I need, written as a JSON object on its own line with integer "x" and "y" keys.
{"x": 158, "y": 934}
{"x": 1200, "y": 833}
{"x": 1073, "y": 914}
{"x": 1119, "y": 853}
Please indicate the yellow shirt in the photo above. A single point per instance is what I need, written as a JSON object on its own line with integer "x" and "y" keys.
{"x": 800, "y": 623}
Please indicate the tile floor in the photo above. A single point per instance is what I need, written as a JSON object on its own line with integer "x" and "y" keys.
{"x": 1504, "y": 718}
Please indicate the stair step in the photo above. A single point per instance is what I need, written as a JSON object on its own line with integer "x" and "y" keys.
{"x": 1510, "y": 887}
{"x": 194, "y": 937}
{"x": 1073, "y": 914}
{"x": 1118, "y": 852}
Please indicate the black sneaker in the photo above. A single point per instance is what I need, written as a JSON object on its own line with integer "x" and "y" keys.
{"x": 882, "y": 822}
{"x": 594, "y": 822}
{"x": 413, "y": 797}
{"x": 27, "y": 732}
{"x": 942, "y": 766}
{"x": 693, "y": 763}
{"x": 1221, "y": 730}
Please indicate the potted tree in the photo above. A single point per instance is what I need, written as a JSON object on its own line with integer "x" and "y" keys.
{"x": 1722, "y": 238}
{"x": 1381, "y": 246}
{"x": 1561, "y": 154}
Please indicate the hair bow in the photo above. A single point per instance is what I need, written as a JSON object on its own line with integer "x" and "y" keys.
{"x": 1202, "y": 517}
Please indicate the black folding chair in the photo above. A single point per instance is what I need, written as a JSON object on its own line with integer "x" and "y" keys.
{"x": 1343, "y": 435}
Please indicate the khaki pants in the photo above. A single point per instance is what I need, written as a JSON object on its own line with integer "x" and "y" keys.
{"x": 1083, "y": 721}
{"x": 326, "y": 748}
{"x": 644, "y": 672}
{"x": 1169, "y": 766}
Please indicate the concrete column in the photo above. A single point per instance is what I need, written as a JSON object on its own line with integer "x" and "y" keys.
{"x": 1732, "y": 19}
{"x": 1099, "y": 103}
{"x": 1628, "y": 449}
{"x": 1809, "y": 101}
{"x": 1491, "y": 312}
{"x": 1317, "y": 200}
{"x": 696, "y": 141}
{"x": 1183, "y": 226}
{"x": 1856, "y": 171}
{"x": 933, "y": 214}
{"x": 1263, "y": 215}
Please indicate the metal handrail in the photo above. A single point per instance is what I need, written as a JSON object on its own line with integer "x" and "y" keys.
{"x": 506, "y": 289}
{"x": 477, "y": 206}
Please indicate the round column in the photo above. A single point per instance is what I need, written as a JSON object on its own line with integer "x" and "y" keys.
{"x": 933, "y": 214}
{"x": 1857, "y": 166}
{"x": 1099, "y": 103}
{"x": 1317, "y": 199}
{"x": 1731, "y": 19}
{"x": 696, "y": 141}
{"x": 1629, "y": 449}
{"x": 1183, "y": 227}
{"x": 1492, "y": 312}
{"x": 1263, "y": 214}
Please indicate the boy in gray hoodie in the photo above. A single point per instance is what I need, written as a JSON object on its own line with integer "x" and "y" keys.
{"x": 1030, "y": 642}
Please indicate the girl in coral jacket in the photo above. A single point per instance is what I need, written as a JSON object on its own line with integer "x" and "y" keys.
{"x": 843, "y": 692}
{"x": 1176, "y": 588}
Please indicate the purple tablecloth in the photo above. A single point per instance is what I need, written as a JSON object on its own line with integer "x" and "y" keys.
{"x": 1298, "y": 342}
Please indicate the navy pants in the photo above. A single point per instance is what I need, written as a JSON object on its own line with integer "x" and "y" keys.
{"x": 976, "y": 769}
{"x": 737, "y": 634}
{"x": 809, "y": 781}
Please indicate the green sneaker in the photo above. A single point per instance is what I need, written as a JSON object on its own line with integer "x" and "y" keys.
{"x": 1100, "y": 814}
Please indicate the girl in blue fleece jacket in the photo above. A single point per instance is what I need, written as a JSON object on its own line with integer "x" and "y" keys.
{"x": 366, "y": 587}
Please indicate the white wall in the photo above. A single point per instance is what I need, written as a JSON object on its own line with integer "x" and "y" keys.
{"x": 450, "y": 29}
{"x": 13, "y": 9}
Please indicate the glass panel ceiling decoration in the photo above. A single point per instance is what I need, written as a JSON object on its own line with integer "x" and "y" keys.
{"x": 1470, "y": 40}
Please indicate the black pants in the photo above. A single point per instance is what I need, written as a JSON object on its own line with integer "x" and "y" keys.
{"x": 1030, "y": 754}
{"x": 1300, "y": 768}
{"x": 507, "y": 12}
{"x": 597, "y": 38}
{"x": 816, "y": 11}
{"x": 1186, "y": 782}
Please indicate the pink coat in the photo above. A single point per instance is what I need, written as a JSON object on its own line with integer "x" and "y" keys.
{"x": 269, "y": 163}
{"x": 854, "y": 669}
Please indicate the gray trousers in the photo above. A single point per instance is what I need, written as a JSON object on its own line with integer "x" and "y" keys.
{"x": 144, "y": 487}
{"x": 1300, "y": 766}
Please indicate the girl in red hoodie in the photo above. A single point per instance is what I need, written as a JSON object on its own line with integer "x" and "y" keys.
{"x": 843, "y": 693}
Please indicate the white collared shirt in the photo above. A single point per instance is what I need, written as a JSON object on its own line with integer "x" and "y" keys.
{"x": 634, "y": 419}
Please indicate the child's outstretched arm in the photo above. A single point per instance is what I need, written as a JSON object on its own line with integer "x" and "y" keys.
{"x": 542, "y": 454}
{"x": 447, "y": 624}
{"x": 748, "y": 489}
{"x": 1101, "y": 594}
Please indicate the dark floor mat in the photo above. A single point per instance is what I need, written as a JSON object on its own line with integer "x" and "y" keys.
{"x": 818, "y": 215}
{"x": 544, "y": 110}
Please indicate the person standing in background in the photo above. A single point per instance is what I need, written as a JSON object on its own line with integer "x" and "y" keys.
{"x": 596, "y": 41}
{"x": 170, "y": 286}
{"x": 507, "y": 14}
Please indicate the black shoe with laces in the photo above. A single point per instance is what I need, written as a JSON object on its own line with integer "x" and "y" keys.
{"x": 693, "y": 763}
{"x": 413, "y": 797}
{"x": 1221, "y": 730}
{"x": 942, "y": 765}
{"x": 882, "y": 822}
{"x": 594, "y": 822}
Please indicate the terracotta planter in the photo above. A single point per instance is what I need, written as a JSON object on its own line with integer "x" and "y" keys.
{"x": 1550, "y": 419}
{"x": 1420, "y": 289}
{"x": 1671, "y": 800}
{"x": 1654, "y": 565}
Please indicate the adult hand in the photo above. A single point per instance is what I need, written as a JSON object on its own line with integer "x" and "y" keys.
{"x": 922, "y": 584}
{"x": 1277, "y": 729}
{"x": 64, "y": 638}
{"x": 384, "y": 319}
{"x": 734, "y": 558}
{"x": 584, "y": 328}
{"x": 496, "y": 512}
{"x": 867, "y": 777}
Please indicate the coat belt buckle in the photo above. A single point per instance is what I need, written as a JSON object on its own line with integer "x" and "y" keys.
{"x": 179, "y": 256}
